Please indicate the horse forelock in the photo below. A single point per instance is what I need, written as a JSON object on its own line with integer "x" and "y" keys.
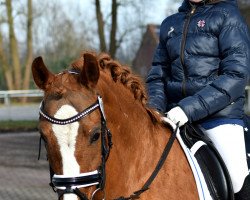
{"x": 123, "y": 74}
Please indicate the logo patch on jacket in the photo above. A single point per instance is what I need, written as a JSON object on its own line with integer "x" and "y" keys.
{"x": 201, "y": 23}
{"x": 170, "y": 30}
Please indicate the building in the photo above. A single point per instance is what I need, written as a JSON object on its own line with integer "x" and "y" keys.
{"x": 143, "y": 58}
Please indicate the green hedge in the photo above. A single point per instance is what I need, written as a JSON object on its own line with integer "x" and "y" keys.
{"x": 18, "y": 126}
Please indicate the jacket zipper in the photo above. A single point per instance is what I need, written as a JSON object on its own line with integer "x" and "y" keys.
{"x": 183, "y": 44}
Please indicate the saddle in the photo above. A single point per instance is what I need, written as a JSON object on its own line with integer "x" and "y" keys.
{"x": 211, "y": 164}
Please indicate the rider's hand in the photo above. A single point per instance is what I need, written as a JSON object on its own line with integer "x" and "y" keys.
{"x": 176, "y": 115}
{"x": 169, "y": 122}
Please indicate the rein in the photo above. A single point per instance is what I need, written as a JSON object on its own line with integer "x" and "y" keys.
{"x": 145, "y": 187}
{"x": 70, "y": 184}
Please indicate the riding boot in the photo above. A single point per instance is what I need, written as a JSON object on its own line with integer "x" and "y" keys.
{"x": 244, "y": 193}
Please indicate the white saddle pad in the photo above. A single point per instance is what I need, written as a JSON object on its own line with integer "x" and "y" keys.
{"x": 202, "y": 188}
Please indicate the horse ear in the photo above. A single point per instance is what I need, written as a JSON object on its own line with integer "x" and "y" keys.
{"x": 41, "y": 74}
{"x": 90, "y": 72}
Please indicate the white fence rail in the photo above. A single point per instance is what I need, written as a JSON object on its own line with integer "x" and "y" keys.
{"x": 8, "y": 94}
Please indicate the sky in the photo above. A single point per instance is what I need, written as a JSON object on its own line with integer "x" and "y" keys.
{"x": 161, "y": 7}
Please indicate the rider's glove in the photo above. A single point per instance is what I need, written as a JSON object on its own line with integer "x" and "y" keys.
{"x": 169, "y": 122}
{"x": 176, "y": 115}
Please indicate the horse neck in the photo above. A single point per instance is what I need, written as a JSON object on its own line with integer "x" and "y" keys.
{"x": 137, "y": 142}
{"x": 128, "y": 119}
{"x": 124, "y": 112}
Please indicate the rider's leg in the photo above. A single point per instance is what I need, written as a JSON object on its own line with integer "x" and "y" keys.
{"x": 229, "y": 141}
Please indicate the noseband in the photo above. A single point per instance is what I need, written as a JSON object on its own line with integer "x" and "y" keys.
{"x": 70, "y": 184}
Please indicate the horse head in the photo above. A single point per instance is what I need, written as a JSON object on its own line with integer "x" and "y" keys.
{"x": 73, "y": 126}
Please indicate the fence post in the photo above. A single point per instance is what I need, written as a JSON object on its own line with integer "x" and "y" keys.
{"x": 6, "y": 99}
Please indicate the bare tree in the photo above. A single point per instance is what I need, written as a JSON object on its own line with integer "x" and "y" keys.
{"x": 100, "y": 26}
{"x": 115, "y": 34}
{"x": 29, "y": 45}
{"x": 16, "y": 76}
{"x": 3, "y": 61}
{"x": 113, "y": 30}
{"x": 13, "y": 48}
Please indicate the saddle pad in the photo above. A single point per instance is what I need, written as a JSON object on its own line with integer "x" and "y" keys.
{"x": 202, "y": 188}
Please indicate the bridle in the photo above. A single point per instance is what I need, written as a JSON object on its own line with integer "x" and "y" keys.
{"x": 70, "y": 184}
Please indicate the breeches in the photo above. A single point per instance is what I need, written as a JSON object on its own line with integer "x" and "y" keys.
{"x": 229, "y": 141}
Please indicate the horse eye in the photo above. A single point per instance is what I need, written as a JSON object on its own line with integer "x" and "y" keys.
{"x": 95, "y": 137}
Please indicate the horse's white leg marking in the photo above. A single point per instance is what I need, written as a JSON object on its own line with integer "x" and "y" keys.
{"x": 66, "y": 138}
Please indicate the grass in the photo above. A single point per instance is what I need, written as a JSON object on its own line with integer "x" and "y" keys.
{"x": 18, "y": 126}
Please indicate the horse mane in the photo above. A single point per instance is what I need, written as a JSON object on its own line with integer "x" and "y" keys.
{"x": 124, "y": 75}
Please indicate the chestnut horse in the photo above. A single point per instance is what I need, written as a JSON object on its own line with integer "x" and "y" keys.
{"x": 75, "y": 129}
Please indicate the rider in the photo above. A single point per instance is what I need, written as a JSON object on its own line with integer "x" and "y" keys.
{"x": 199, "y": 73}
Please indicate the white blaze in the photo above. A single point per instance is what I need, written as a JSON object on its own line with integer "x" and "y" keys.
{"x": 66, "y": 138}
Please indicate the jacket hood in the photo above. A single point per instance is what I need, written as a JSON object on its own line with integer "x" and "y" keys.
{"x": 186, "y": 5}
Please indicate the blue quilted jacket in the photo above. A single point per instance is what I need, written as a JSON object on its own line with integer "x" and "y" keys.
{"x": 202, "y": 62}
